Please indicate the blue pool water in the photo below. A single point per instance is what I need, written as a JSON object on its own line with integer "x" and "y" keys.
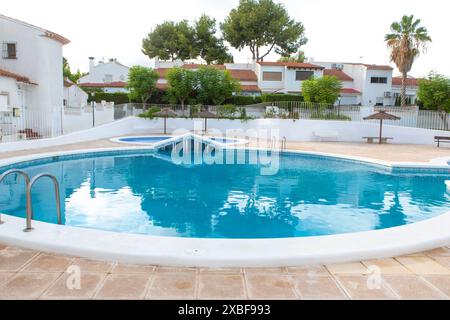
{"x": 155, "y": 139}
{"x": 144, "y": 193}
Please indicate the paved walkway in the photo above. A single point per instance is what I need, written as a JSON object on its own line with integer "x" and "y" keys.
{"x": 28, "y": 274}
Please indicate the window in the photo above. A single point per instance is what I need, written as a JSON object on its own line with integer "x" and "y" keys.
{"x": 9, "y": 50}
{"x": 303, "y": 75}
{"x": 272, "y": 76}
{"x": 65, "y": 102}
{"x": 378, "y": 80}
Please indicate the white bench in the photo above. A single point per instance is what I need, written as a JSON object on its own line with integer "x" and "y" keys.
{"x": 326, "y": 135}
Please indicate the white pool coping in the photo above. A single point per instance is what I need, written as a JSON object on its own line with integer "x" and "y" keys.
{"x": 194, "y": 252}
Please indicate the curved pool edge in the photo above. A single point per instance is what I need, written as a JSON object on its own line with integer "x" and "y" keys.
{"x": 192, "y": 252}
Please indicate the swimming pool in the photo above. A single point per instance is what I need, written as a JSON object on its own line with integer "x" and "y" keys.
{"x": 153, "y": 140}
{"x": 138, "y": 192}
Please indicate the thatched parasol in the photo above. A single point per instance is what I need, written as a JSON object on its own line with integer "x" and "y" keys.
{"x": 206, "y": 114}
{"x": 381, "y": 115}
{"x": 165, "y": 113}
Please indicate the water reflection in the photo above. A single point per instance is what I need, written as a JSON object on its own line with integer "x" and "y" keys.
{"x": 150, "y": 195}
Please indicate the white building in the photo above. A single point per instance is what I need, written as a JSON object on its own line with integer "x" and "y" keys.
{"x": 74, "y": 97}
{"x": 371, "y": 84}
{"x": 111, "y": 76}
{"x": 285, "y": 77}
{"x": 31, "y": 77}
{"x": 412, "y": 87}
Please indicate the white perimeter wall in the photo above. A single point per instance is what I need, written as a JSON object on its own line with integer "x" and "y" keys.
{"x": 299, "y": 130}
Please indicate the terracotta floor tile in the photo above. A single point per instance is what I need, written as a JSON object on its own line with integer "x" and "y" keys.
{"x": 439, "y": 252}
{"x": 221, "y": 270}
{"x": 387, "y": 266}
{"x": 4, "y": 276}
{"x": 412, "y": 287}
{"x": 308, "y": 271}
{"x": 124, "y": 286}
{"x": 423, "y": 265}
{"x": 162, "y": 269}
{"x": 49, "y": 263}
{"x": 443, "y": 261}
{"x": 347, "y": 268}
{"x": 269, "y": 286}
{"x": 92, "y": 266}
{"x": 265, "y": 270}
{"x": 27, "y": 285}
{"x": 442, "y": 283}
{"x": 317, "y": 288}
{"x": 13, "y": 259}
{"x": 173, "y": 285}
{"x": 357, "y": 287}
{"x": 133, "y": 268}
{"x": 89, "y": 282}
{"x": 221, "y": 286}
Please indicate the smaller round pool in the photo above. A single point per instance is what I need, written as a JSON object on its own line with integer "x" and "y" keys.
{"x": 151, "y": 140}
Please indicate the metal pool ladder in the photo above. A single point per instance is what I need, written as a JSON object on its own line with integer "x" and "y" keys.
{"x": 29, "y": 185}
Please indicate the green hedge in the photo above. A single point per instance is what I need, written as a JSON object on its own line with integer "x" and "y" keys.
{"x": 274, "y": 97}
{"x": 117, "y": 97}
{"x": 243, "y": 100}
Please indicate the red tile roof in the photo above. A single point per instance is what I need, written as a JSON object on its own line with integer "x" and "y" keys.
{"x": 410, "y": 82}
{"x": 243, "y": 75}
{"x": 118, "y": 84}
{"x": 162, "y": 72}
{"x": 294, "y": 65}
{"x": 162, "y": 86}
{"x": 373, "y": 66}
{"x": 341, "y": 75}
{"x": 350, "y": 91}
{"x": 17, "y": 77}
{"x": 250, "y": 88}
{"x": 196, "y": 66}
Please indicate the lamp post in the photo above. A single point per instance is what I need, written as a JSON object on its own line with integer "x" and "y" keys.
{"x": 339, "y": 105}
{"x": 93, "y": 109}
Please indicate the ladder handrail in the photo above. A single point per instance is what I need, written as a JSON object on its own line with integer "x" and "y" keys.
{"x": 20, "y": 172}
{"x": 29, "y": 198}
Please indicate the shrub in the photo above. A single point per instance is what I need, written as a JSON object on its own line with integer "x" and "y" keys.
{"x": 329, "y": 116}
{"x": 244, "y": 100}
{"x": 227, "y": 111}
{"x": 117, "y": 97}
{"x": 150, "y": 113}
{"x": 273, "y": 97}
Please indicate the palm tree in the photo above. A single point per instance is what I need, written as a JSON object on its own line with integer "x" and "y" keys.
{"x": 406, "y": 41}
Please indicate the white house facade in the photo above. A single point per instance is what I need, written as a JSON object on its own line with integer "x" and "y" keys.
{"x": 31, "y": 77}
{"x": 111, "y": 76}
{"x": 74, "y": 97}
{"x": 285, "y": 77}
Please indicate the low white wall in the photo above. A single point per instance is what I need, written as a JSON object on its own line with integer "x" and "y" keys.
{"x": 82, "y": 119}
{"x": 298, "y": 130}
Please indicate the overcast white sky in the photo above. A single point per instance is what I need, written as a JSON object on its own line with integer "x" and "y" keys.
{"x": 342, "y": 30}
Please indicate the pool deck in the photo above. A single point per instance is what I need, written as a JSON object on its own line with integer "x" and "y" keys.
{"x": 26, "y": 274}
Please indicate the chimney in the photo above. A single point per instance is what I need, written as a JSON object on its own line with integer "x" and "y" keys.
{"x": 91, "y": 64}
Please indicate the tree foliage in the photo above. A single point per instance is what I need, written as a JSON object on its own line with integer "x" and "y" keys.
{"x": 322, "y": 90}
{"x": 181, "y": 84}
{"x": 434, "y": 92}
{"x": 263, "y": 25}
{"x": 406, "y": 41}
{"x": 214, "y": 86}
{"x": 299, "y": 57}
{"x": 207, "y": 45}
{"x": 142, "y": 83}
{"x": 74, "y": 77}
{"x": 170, "y": 41}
